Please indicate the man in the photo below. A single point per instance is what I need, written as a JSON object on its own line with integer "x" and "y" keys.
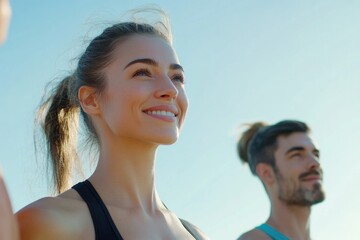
{"x": 286, "y": 160}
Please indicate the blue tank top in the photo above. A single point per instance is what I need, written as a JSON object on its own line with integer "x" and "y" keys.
{"x": 272, "y": 232}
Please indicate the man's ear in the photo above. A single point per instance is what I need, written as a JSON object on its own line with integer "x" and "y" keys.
{"x": 89, "y": 100}
{"x": 265, "y": 173}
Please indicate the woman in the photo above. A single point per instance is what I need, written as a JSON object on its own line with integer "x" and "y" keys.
{"x": 8, "y": 225}
{"x": 129, "y": 89}
{"x": 5, "y": 13}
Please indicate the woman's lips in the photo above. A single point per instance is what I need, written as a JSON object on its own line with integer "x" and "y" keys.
{"x": 167, "y": 113}
{"x": 162, "y": 115}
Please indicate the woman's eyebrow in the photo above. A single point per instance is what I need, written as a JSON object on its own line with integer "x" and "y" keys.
{"x": 152, "y": 62}
{"x": 148, "y": 61}
{"x": 176, "y": 66}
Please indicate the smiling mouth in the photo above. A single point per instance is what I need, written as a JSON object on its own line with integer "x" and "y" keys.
{"x": 161, "y": 113}
{"x": 312, "y": 178}
{"x": 311, "y": 175}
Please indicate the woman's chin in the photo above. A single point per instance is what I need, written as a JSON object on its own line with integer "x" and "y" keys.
{"x": 168, "y": 140}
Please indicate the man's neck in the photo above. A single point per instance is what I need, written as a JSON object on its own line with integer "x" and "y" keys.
{"x": 292, "y": 221}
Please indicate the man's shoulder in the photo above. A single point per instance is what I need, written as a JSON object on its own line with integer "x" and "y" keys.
{"x": 254, "y": 234}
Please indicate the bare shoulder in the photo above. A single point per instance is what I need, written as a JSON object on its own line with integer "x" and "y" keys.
{"x": 194, "y": 230}
{"x": 8, "y": 225}
{"x": 254, "y": 234}
{"x": 61, "y": 217}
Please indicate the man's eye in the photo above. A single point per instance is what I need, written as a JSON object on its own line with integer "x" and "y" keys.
{"x": 295, "y": 155}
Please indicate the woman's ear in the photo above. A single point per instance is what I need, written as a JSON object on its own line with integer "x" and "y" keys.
{"x": 265, "y": 173}
{"x": 89, "y": 100}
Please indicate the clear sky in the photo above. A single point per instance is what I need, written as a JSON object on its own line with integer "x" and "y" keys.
{"x": 244, "y": 61}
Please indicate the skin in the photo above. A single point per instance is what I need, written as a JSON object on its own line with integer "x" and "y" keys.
{"x": 298, "y": 167}
{"x": 5, "y": 14}
{"x": 129, "y": 137}
{"x": 8, "y": 224}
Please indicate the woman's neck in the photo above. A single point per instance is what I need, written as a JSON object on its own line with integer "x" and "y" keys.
{"x": 125, "y": 175}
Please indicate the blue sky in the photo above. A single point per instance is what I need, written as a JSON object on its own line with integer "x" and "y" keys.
{"x": 244, "y": 61}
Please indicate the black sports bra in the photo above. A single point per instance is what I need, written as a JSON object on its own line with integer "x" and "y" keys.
{"x": 104, "y": 225}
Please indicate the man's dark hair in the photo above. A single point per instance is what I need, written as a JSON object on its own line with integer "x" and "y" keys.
{"x": 259, "y": 142}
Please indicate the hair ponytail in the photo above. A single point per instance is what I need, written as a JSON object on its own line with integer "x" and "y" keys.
{"x": 246, "y": 137}
{"x": 259, "y": 142}
{"x": 59, "y": 119}
{"x": 59, "y": 113}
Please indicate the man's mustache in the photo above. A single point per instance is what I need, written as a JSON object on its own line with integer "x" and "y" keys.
{"x": 312, "y": 173}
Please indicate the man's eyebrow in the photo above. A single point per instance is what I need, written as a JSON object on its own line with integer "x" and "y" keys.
{"x": 293, "y": 149}
{"x": 148, "y": 61}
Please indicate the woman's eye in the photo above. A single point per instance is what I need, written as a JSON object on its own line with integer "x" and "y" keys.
{"x": 142, "y": 73}
{"x": 178, "y": 78}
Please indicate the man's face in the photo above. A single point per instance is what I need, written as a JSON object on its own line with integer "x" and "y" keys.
{"x": 298, "y": 172}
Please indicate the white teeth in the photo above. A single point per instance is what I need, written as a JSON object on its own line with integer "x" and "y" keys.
{"x": 162, "y": 113}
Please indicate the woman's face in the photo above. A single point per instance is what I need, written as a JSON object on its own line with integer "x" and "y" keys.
{"x": 144, "y": 98}
{"x": 5, "y": 13}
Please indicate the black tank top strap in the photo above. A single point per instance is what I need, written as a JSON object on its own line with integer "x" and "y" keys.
{"x": 104, "y": 226}
{"x": 189, "y": 229}
{"x": 186, "y": 225}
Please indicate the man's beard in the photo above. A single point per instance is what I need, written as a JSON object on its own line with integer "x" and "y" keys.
{"x": 293, "y": 193}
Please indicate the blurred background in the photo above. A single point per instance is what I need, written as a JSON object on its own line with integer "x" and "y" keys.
{"x": 244, "y": 61}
